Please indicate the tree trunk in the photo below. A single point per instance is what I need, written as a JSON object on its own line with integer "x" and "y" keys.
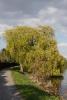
{"x": 21, "y": 68}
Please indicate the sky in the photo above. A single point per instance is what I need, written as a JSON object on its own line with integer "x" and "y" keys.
{"x": 33, "y": 13}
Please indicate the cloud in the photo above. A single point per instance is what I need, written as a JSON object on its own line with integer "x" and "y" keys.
{"x": 62, "y": 45}
{"x": 46, "y": 12}
{"x": 33, "y": 13}
{"x": 3, "y": 27}
{"x": 29, "y": 21}
{"x": 44, "y": 16}
{"x": 50, "y": 15}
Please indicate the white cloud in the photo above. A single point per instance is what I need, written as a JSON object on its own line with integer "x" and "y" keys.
{"x": 44, "y": 16}
{"x": 50, "y": 15}
{"x": 30, "y": 21}
{"x": 3, "y": 27}
{"x": 52, "y": 10}
{"x": 62, "y": 45}
{"x": 49, "y": 11}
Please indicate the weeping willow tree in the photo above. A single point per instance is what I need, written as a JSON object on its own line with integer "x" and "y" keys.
{"x": 35, "y": 49}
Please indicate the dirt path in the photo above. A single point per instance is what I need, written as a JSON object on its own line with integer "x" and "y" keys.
{"x": 7, "y": 88}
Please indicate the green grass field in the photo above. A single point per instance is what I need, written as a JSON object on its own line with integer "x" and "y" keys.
{"x": 27, "y": 89}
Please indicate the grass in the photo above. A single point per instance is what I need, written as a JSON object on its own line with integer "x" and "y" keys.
{"x": 27, "y": 89}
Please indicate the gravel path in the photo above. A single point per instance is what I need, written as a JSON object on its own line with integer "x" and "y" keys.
{"x": 7, "y": 88}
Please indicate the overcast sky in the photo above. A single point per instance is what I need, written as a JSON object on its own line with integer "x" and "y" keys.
{"x": 36, "y": 12}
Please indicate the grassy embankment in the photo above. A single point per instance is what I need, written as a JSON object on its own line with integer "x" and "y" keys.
{"x": 27, "y": 89}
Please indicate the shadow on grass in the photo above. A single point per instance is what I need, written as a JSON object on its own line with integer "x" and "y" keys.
{"x": 29, "y": 92}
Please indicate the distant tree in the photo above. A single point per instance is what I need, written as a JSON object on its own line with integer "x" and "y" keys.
{"x": 5, "y": 56}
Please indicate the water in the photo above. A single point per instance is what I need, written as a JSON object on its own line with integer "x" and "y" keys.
{"x": 63, "y": 86}
{"x": 59, "y": 86}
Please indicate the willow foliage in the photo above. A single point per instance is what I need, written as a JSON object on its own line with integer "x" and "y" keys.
{"x": 35, "y": 49}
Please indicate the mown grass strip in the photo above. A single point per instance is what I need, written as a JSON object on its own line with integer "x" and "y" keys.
{"x": 27, "y": 89}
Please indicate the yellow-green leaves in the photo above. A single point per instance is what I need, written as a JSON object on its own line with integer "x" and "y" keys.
{"x": 35, "y": 49}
